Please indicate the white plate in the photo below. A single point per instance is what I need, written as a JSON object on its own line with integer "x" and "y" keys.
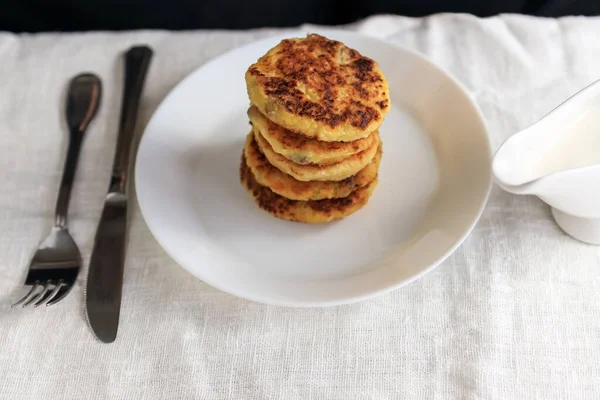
{"x": 435, "y": 178}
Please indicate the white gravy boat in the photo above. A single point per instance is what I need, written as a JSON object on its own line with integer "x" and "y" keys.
{"x": 558, "y": 160}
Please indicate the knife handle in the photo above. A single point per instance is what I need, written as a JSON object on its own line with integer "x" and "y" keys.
{"x": 137, "y": 61}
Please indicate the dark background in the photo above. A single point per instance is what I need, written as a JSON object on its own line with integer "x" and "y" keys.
{"x": 78, "y": 15}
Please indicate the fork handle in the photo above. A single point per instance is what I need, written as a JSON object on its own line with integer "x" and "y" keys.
{"x": 66, "y": 183}
{"x": 83, "y": 100}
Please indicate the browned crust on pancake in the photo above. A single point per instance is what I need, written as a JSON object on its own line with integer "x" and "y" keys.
{"x": 324, "y": 81}
{"x": 291, "y": 188}
{"x": 302, "y": 149}
{"x": 313, "y": 211}
{"x": 313, "y": 172}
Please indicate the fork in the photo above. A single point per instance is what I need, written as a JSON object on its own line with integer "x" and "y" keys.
{"x": 56, "y": 263}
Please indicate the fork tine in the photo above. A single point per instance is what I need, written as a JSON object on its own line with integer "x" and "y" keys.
{"x": 51, "y": 295}
{"x": 33, "y": 288}
{"x": 37, "y": 295}
{"x": 64, "y": 290}
{"x": 45, "y": 293}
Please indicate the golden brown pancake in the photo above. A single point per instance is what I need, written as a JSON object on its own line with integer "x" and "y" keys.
{"x": 301, "y": 149}
{"x": 319, "y": 88}
{"x": 312, "y": 172}
{"x": 293, "y": 189}
{"x": 313, "y": 211}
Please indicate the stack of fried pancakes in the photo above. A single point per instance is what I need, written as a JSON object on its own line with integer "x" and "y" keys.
{"x": 314, "y": 150}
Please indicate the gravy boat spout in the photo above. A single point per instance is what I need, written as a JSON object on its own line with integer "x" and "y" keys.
{"x": 558, "y": 160}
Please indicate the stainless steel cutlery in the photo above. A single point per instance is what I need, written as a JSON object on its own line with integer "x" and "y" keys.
{"x": 105, "y": 277}
{"x": 55, "y": 265}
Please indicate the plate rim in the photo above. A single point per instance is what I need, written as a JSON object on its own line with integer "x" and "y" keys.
{"x": 347, "y": 299}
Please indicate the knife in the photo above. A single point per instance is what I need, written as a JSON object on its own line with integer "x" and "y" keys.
{"x": 105, "y": 276}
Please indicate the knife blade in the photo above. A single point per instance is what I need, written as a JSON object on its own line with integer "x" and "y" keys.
{"x": 105, "y": 276}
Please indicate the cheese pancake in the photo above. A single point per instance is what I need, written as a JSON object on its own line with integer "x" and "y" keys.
{"x": 319, "y": 88}
{"x": 312, "y": 172}
{"x": 301, "y": 149}
{"x": 313, "y": 211}
{"x": 293, "y": 189}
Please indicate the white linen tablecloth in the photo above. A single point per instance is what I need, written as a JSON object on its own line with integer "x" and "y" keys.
{"x": 513, "y": 314}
